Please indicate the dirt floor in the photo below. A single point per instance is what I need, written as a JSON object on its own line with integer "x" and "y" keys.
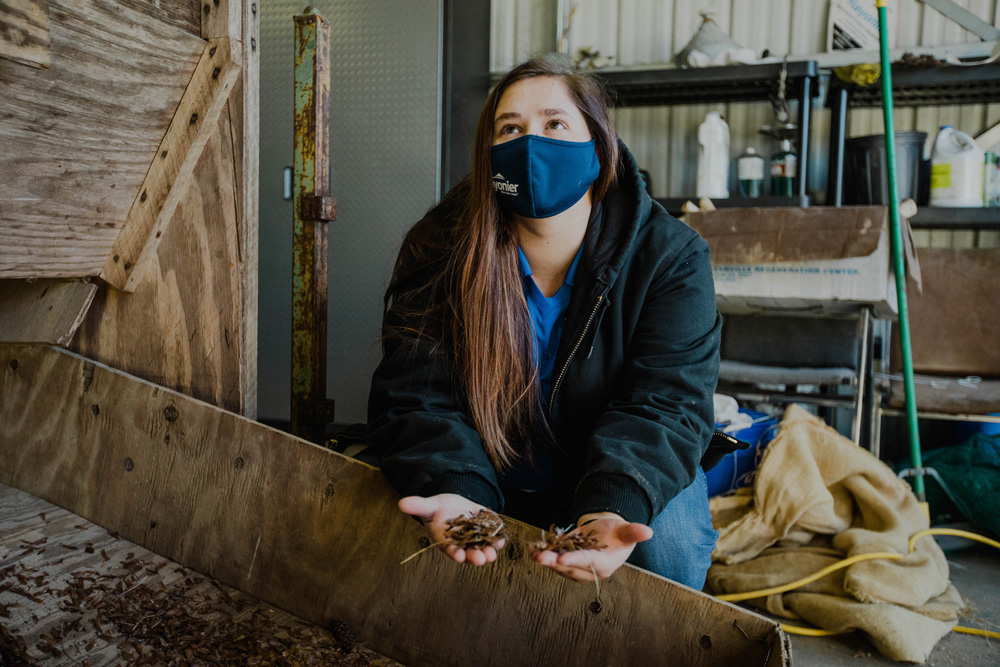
{"x": 71, "y": 593}
{"x": 975, "y": 571}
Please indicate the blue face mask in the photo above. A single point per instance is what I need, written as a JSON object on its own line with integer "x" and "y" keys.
{"x": 537, "y": 177}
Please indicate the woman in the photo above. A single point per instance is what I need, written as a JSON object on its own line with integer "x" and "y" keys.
{"x": 551, "y": 343}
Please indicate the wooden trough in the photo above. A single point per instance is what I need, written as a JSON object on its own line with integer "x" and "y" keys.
{"x": 128, "y": 354}
{"x": 319, "y": 534}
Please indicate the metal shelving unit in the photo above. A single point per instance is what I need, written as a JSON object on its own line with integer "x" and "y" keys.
{"x": 926, "y": 86}
{"x": 715, "y": 85}
{"x": 956, "y": 218}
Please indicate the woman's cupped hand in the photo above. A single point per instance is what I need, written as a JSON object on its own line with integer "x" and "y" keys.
{"x": 618, "y": 536}
{"x": 436, "y": 512}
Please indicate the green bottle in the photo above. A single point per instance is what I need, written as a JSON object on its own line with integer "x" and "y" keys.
{"x": 783, "y": 170}
{"x": 750, "y": 173}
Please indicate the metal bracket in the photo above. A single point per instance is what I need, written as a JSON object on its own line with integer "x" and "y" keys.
{"x": 318, "y": 208}
{"x": 966, "y": 19}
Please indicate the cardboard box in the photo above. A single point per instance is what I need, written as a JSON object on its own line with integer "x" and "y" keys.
{"x": 800, "y": 261}
{"x": 853, "y": 24}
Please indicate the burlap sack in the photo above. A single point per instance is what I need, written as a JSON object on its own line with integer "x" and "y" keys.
{"x": 819, "y": 498}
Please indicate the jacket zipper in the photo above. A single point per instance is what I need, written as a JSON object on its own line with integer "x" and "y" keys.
{"x": 576, "y": 346}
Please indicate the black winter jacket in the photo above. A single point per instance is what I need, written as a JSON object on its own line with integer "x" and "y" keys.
{"x": 631, "y": 406}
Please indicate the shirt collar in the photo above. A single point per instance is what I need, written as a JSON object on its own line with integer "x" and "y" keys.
{"x": 570, "y": 275}
{"x": 568, "y": 280}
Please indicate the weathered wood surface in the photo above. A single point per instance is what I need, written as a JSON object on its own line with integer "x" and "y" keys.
{"x": 182, "y": 326}
{"x": 183, "y": 14}
{"x": 223, "y": 18}
{"x": 244, "y": 106}
{"x": 165, "y": 185}
{"x": 319, "y": 535}
{"x": 244, "y": 112}
{"x": 45, "y": 549}
{"x": 191, "y": 324}
{"x": 79, "y": 137}
{"x": 43, "y": 311}
{"x": 24, "y": 32}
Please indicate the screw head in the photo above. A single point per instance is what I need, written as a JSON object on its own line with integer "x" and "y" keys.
{"x": 129, "y": 464}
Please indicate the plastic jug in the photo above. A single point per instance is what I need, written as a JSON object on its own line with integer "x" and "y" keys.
{"x": 956, "y": 170}
{"x": 713, "y": 157}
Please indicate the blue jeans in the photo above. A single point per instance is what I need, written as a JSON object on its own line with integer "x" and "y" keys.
{"x": 683, "y": 538}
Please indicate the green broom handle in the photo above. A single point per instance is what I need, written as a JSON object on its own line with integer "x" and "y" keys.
{"x": 898, "y": 261}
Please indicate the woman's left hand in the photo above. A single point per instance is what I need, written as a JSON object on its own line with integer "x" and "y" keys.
{"x": 617, "y": 535}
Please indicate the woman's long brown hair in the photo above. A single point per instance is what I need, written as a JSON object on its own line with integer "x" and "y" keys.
{"x": 476, "y": 297}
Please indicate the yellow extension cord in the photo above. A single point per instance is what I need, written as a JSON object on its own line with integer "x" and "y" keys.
{"x": 847, "y": 562}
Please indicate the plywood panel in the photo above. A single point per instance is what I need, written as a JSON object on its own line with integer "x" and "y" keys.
{"x": 43, "y": 311}
{"x": 183, "y": 14}
{"x": 79, "y": 136}
{"x": 179, "y": 151}
{"x": 182, "y": 327}
{"x": 62, "y": 551}
{"x": 24, "y": 32}
{"x": 319, "y": 535}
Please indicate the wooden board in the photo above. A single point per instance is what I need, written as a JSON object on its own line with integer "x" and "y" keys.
{"x": 182, "y": 326}
{"x": 47, "y": 551}
{"x": 24, "y": 32}
{"x": 244, "y": 109}
{"x": 43, "y": 311}
{"x": 79, "y": 136}
{"x": 319, "y": 535}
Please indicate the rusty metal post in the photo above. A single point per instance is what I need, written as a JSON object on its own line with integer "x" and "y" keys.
{"x": 313, "y": 208}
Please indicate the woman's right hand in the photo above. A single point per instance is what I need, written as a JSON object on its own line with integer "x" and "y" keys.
{"x": 436, "y": 511}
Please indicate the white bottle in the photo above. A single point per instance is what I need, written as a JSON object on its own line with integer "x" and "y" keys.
{"x": 956, "y": 170}
{"x": 713, "y": 158}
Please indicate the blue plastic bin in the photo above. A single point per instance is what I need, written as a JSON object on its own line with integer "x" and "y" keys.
{"x": 730, "y": 473}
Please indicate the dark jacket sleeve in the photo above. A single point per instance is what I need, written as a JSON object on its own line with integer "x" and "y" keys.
{"x": 646, "y": 446}
{"x": 419, "y": 430}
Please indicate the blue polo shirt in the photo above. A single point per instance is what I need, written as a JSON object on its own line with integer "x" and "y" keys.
{"x": 548, "y": 318}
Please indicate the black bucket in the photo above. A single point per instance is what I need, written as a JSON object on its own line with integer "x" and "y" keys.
{"x": 865, "y": 174}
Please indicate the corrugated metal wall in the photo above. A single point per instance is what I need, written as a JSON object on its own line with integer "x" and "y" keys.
{"x": 385, "y": 124}
{"x": 664, "y": 139}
